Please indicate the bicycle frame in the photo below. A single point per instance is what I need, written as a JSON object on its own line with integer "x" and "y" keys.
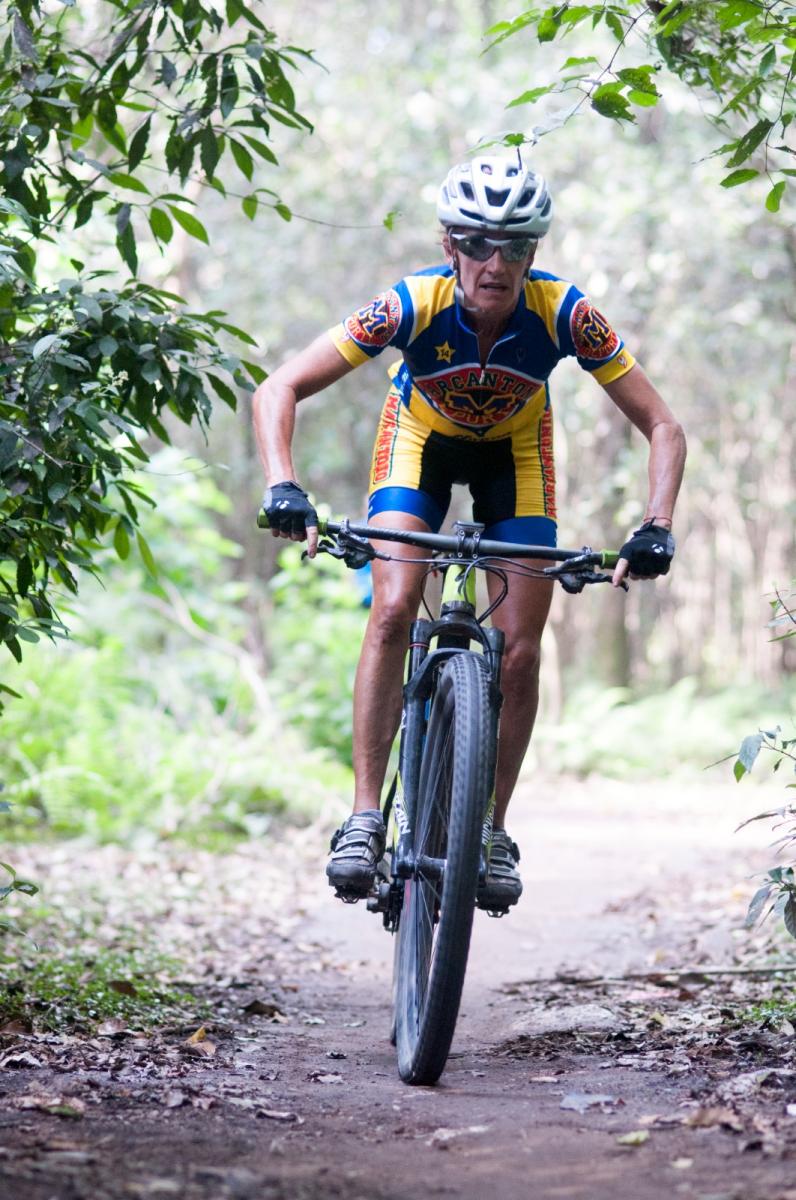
{"x": 454, "y": 630}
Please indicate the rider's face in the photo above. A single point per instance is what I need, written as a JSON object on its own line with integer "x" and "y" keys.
{"x": 492, "y": 287}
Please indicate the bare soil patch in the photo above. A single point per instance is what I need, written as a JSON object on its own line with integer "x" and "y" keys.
{"x": 600, "y": 1051}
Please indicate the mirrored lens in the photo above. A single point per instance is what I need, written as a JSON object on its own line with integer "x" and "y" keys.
{"x": 481, "y": 248}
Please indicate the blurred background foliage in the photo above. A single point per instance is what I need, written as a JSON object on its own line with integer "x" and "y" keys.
{"x": 204, "y": 698}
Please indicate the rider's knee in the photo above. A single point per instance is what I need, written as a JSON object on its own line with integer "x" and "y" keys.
{"x": 523, "y": 657}
{"x": 391, "y": 617}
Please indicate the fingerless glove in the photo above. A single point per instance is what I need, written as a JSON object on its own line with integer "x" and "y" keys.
{"x": 649, "y": 550}
{"x": 288, "y": 508}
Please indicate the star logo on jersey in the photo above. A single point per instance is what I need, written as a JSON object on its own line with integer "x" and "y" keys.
{"x": 444, "y": 353}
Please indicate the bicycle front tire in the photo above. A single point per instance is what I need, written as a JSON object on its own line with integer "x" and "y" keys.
{"x": 437, "y": 915}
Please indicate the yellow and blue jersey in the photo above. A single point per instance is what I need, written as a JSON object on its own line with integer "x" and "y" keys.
{"x": 441, "y": 379}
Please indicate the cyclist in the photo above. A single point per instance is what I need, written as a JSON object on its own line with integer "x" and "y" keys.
{"x": 468, "y": 403}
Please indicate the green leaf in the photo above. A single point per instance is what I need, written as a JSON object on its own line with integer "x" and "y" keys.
{"x": 190, "y": 223}
{"x": 125, "y": 243}
{"x": 775, "y": 196}
{"x": 238, "y": 333}
{"x": 160, "y": 224}
{"x": 44, "y": 344}
{"x": 209, "y": 152}
{"x": 615, "y": 25}
{"x": 736, "y": 12}
{"x": 547, "y": 27}
{"x": 261, "y": 149}
{"x": 222, "y": 390}
{"x": 611, "y": 104}
{"x": 138, "y": 144}
{"x": 789, "y": 915}
{"x": 128, "y": 181}
{"x": 258, "y": 374}
{"x": 639, "y": 79}
{"x": 24, "y": 575}
{"x": 242, "y": 158}
{"x": 146, "y": 555}
{"x": 121, "y": 540}
{"x": 284, "y": 211}
{"x": 643, "y": 99}
{"x": 249, "y": 206}
{"x": 757, "y": 904}
{"x": 530, "y": 97}
{"x": 578, "y": 62}
{"x": 736, "y": 177}
{"x": 390, "y": 219}
{"x": 750, "y": 748}
{"x": 750, "y": 141}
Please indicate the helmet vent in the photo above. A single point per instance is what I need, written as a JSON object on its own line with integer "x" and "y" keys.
{"x": 526, "y": 197}
{"x": 467, "y": 191}
{"x": 497, "y": 198}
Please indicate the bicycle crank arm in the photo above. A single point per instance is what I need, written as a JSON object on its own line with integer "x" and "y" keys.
{"x": 430, "y": 868}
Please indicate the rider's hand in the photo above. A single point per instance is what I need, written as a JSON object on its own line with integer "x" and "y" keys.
{"x": 646, "y": 554}
{"x": 291, "y": 515}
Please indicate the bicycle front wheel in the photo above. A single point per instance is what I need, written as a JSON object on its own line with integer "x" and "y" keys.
{"x": 437, "y": 914}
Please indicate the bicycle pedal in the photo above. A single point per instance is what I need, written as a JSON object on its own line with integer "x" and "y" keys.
{"x": 349, "y": 895}
{"x": 497, "y": 912}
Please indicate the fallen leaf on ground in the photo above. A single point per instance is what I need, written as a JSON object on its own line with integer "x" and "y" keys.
{"x": 682, "y": 1164}
{"x": 441, "y": 1137}
{"x": 113, "y": 1027}
{"x": 19, "y": 1059}
{"x": 17, "y": 1026}
{"x": 582, "y": 1101}
{"x": 273, "y": 1114}
{"x": 175, "y": 1098}
{"x": 329, "y": 1077}
{"x": 205, "y": 1049}
{"x": 123, "y": 987}
{"x": 58, "y": 1106}
{"x": 308, "y": 1020}
{"x": 637, "y": 1137}
{"x": 264, "y": 1008}
{"x": 199, "y": 1043}
{"x": 713, "y": 1117}
{"x": 336, "y": 1054}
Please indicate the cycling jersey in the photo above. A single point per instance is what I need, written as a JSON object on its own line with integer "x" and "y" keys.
{"x": 441, "y": 379}
{"x": 443, "y": 400}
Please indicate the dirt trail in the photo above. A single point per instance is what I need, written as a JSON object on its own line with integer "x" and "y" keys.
{"x": 545, "y": 1078}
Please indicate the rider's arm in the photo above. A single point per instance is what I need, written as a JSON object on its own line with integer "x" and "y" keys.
{"x": 274, "y": 409}
{"x": 643, "y": 405}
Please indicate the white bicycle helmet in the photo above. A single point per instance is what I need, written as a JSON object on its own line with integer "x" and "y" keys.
{"x": 494, "y": 192}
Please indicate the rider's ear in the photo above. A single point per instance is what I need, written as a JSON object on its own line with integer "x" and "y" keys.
{"x": 447, "y": 248}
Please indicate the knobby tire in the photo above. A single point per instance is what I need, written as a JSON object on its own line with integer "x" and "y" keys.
{"x": 437, "y": 916}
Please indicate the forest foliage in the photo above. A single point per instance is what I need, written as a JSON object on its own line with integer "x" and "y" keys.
{"x": 739, "y": 54}
{"x": 114, "y": 114}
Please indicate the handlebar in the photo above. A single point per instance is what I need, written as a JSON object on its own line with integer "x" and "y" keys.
{"x": 466, "y": 544}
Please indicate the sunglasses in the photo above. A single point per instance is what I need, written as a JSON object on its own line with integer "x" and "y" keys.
{"x": 481, "y": 248}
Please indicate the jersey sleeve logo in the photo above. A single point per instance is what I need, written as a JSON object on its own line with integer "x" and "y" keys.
{"x": 376, "y": 323}
{"x": 593, "y": 337}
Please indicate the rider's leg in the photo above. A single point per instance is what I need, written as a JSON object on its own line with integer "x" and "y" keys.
{"x": 359, "y": 843}
{"x": 522, "y": 617}
{"x": 379, "y": 678}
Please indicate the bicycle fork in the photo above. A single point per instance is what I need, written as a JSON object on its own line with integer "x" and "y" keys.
{"x": 455, "y": 629}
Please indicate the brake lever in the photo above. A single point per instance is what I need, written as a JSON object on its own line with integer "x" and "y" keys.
{"x": 355, "y": 551}
{"x": 575, "y": 581}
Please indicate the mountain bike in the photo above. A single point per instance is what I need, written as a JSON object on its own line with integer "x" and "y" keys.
{"x": 441, "y": 797}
